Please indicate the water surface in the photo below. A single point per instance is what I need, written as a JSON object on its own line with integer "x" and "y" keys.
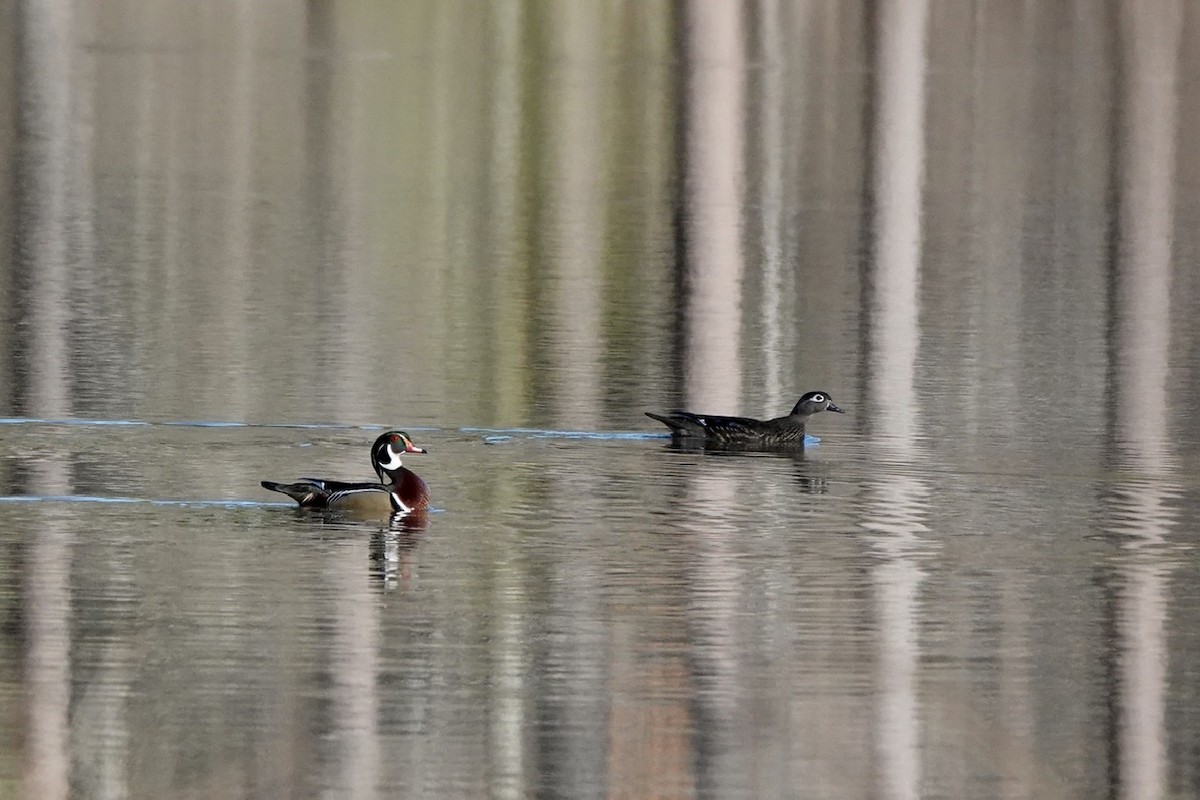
{"x": 243, "y": 238}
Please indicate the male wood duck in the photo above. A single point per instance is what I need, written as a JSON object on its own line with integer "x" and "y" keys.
{"x": 780, "y": 432}
{"x": 399, "y": 491}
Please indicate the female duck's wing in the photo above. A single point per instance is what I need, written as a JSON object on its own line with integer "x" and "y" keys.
{"x": 681, "y": 422}
{"x": 732, "y": 429}
{"x": 709, "y": 425}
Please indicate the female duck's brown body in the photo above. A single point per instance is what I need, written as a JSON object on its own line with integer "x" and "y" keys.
{"x": 719, "y": 430}
{"x": 400, "y": 490}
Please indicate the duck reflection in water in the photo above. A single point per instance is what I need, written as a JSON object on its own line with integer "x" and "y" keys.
{"x": 393, "y": 548}
{"x": 811, "y": 475}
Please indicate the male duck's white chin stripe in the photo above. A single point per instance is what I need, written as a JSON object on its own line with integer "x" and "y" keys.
{"x": 394, "y": 463}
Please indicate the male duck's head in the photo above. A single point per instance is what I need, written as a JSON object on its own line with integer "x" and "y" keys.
{"x": 813, "y": 402}
{"x": 386, "y": 452}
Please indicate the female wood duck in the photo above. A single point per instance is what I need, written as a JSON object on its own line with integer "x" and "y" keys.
{"x": 399, "y": 491}
{"x": 781, "y": 431}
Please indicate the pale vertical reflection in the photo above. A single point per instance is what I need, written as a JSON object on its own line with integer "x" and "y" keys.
{"x": 715, "y": 586}
{"x": 47, "y": 660}
{"x": 356, "y": 640}
{"x": 1150, "y": 40}
{"x": 44, "y": 110}
{"x": 572, "y": 242}
{"x": 511, "y": 688}
{"x": 176, "y": 267}
{"x": 713, "y": 187}
{"x": 651, "y": 728}
{"x": 512, "y": 305}
{"x": 899, "y": 168}
{"x": 233, "y": 266}
{"x": 354, "y": 657}
{"x": 346, "y": 211}
{"x": 101, "y": 734}
{"x": 713, "y": 142}
{"x": 899, "y": 499}
{"x": 150, "y": 90}
{"x": 44, "y": 155}
{"x": 575, "y": 211}
{"x": 99, "y": 721}
{"x": 509, "y": 717}
{"x": 1015, "y": 695}
{"x": 773, "y": 168}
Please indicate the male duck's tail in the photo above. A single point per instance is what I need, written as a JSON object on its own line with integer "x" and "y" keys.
{"x": 306, "y": 494}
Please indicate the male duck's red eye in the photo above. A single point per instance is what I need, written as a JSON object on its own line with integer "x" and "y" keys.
{"x": 394, "y": 439}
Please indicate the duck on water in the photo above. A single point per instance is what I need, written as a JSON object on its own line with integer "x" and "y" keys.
{"x": 399, "y": 491}
{"x": 786, "y": 431}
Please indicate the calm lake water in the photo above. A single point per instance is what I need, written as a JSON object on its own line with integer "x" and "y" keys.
{"x": 241, "y": 238}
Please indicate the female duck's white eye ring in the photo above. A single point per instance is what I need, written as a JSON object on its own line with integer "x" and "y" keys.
{"x": 818, "y": 398}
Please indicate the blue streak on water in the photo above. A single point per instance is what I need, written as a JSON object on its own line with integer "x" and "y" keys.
{"x": 205, "y": 424}
{"x": 38, "y": 421}
{"x": 118, "y": 501}
{"x": 202, "y": 424}
{"x": 490, "y": 435}
{"x": 500, "y": 435}
{"x": 83, "y": 498}
{"x": 495, "y": 435}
